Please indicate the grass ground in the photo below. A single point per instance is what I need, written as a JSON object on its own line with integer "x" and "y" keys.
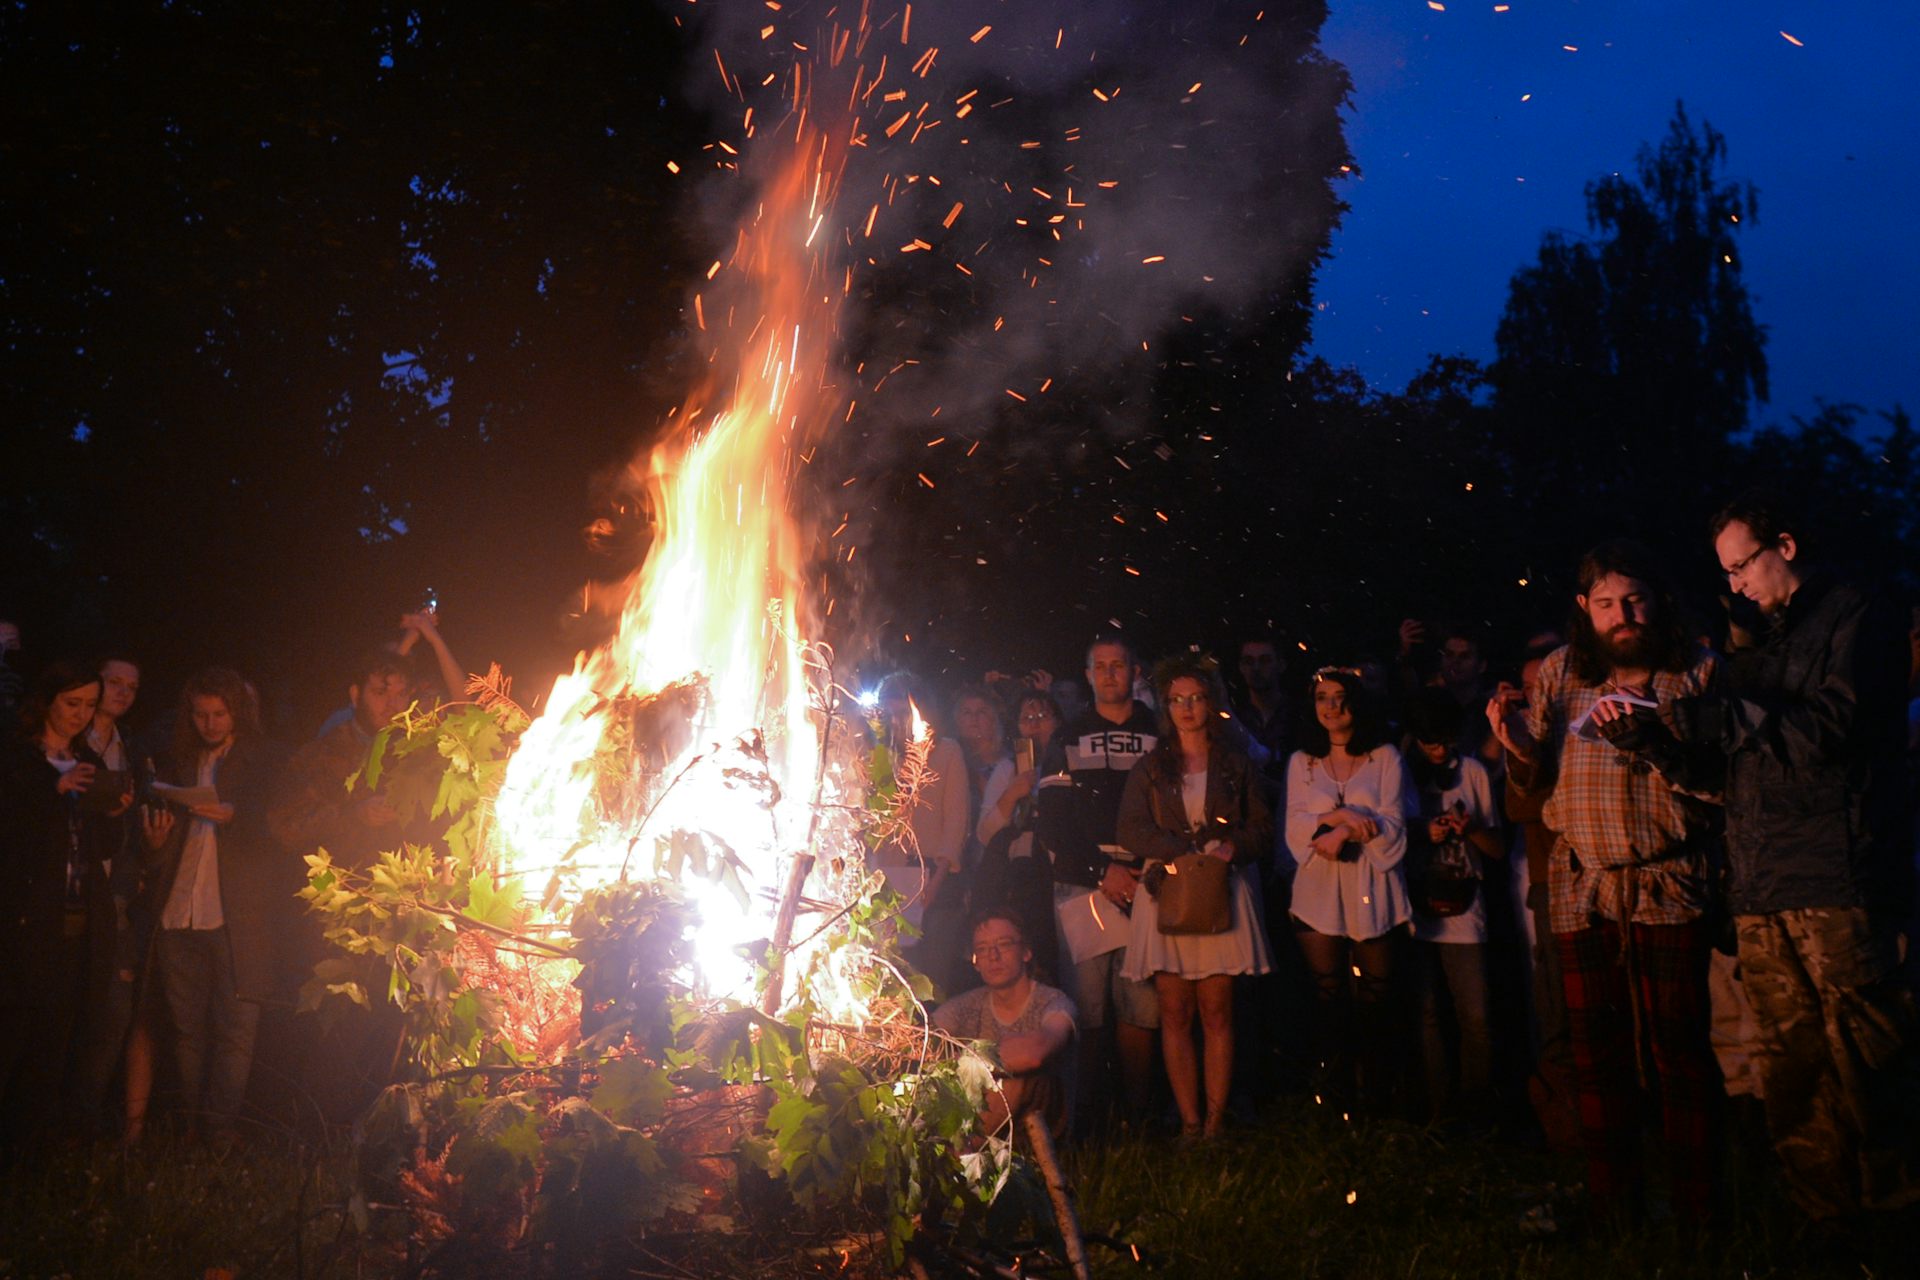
{"x": 1303, "y": 1193}
{"x": 1299, "y": 1193}
{"x": 171, "y": 1210}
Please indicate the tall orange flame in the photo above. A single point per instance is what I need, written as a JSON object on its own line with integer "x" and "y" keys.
{"x": 719, "y": 605}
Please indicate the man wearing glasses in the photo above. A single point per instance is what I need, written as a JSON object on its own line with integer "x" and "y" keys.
{"x": 1821, "y": 862}
{"x": 1028, "y": 1022}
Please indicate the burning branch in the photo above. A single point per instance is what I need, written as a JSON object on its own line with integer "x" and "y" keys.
{"x": 819, "y": 676}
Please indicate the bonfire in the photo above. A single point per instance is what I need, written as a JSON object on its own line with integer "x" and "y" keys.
{"x": 646, "y": 950}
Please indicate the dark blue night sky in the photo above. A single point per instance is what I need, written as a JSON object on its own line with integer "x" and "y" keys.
{"x": 1460, "y": 176}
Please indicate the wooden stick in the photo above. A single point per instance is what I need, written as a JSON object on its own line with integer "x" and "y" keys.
{"x": 802, "y": 863}
{"x": 783, "y": 931}
{"x": 1041, "y": 1139}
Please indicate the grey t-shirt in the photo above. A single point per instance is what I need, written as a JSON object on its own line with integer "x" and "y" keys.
{"x": 970, "y": 1015}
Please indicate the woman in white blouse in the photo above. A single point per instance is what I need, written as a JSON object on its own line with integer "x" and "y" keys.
{"x": 1346, "y": 828}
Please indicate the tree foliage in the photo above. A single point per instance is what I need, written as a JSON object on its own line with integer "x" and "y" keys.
{"x": 1638, "y": 346}
{"x": 289, "y": 295}
{"x": 277, "y": 283}
{"x": 297, "y": 282}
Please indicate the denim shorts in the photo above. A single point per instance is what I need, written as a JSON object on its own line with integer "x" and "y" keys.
{"x": 1096, "y": 985}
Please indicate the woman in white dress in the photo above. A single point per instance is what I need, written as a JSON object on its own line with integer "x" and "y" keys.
{"x": 1195, "y": 792}
{"x": 1346, "y": 828}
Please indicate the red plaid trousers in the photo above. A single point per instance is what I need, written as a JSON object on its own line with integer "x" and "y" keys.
{"x": 1667, "y": 973}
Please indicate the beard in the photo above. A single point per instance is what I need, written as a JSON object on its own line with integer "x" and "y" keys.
{"x": 1629, "y": 646}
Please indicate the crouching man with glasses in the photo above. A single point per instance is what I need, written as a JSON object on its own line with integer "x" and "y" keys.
{"x": 1029, "y": 1023}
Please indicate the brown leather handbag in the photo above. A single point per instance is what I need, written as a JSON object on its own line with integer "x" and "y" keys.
{"x": 1194, "y": 897}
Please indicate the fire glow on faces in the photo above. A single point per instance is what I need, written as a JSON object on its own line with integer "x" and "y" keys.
{"x": 212, "y": 720}
{"x": 1110, "y": 673}
{"x": 1620, "y": 609}
{"x": 1000, "y": 954}
{"x": 379, "y": 698}
{"x": 120, "y": 685}
{"x": 1188, "y": 705}
{"x": 1330, "y": 706}
{"x": 1762, "y": 572}
{"x": 72, "y": 711}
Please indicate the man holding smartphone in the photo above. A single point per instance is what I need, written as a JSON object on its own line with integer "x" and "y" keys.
{"x": 1820, "y": 851}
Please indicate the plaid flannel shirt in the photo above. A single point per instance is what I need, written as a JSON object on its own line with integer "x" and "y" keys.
{"x": 1629, "y": 845}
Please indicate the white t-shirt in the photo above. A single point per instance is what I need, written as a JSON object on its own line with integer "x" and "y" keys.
{"x": 194, "y": 902}
{"x": 1473, "y": 788}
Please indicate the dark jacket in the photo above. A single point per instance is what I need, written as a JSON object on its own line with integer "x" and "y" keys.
{"x": 1078, "y": 795}
{"x": 314, "y": 810}
{"x": 41, "y": 835}
{"x": 1153, "y": 814}
{"x": 258, "y": 877}
{"x": 1815, "y": 731}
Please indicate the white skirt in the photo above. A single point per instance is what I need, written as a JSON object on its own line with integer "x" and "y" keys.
{"x": 1241, "y": 949}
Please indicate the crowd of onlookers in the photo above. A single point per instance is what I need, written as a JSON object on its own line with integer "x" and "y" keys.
{"x": 1637, "y": 870}
{"x": 1640, "y": 871}
{"x": 149, "y": 877}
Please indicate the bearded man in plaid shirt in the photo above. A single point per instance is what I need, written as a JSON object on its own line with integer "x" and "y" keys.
{"x": 1634, "y": 812}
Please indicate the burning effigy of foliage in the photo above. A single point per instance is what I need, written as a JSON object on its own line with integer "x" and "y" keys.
{"x": 568, "y": 1076}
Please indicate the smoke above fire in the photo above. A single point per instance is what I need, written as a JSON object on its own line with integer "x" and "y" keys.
{"x": 937, "y": 218}
{"x": 1073, "y": 184}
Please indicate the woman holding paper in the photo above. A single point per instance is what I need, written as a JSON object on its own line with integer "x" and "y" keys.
{"x": 1196, "y": 793}
{"x": 1346, "y": 828}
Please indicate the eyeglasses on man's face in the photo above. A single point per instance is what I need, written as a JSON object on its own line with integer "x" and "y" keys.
{"x": 1741, "y": 565}
{"x": 995, "y": 949}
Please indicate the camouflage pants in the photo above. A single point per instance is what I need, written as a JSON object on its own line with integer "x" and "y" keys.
{"x": 1836, "y": 1055}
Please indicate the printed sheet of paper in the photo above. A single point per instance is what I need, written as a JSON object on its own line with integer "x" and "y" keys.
{"x": 1585, "y": 728}
{"x": 1091, "y": 925}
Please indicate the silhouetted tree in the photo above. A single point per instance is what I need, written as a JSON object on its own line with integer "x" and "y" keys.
{"x": 1628, "y": 360}
{"x": 305, "y": 310}
{"x": 1860, "y": 485}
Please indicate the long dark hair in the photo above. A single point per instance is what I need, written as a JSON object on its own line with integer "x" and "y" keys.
{"x": 54, "y": 679}
{"x": 1369, "y": 717}
{"x": 1667, "y": 646}
{"x": 231, "y": 688}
